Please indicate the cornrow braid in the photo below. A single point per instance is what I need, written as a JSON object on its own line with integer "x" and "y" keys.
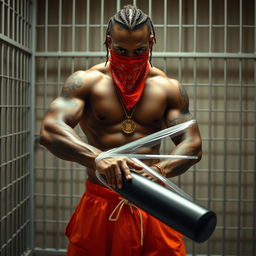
{"x": 130, "y": 18}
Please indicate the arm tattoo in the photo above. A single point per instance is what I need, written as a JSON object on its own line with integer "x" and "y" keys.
{"x": 180, "y": 120}
{"x": 175, "y": 121}
{"x": 184, "y": 99}
{"x": 185, "y": 114}
{"x": 74, "y": 82}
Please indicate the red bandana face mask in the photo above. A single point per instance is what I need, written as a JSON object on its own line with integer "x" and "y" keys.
{"x": 129, "y": 74}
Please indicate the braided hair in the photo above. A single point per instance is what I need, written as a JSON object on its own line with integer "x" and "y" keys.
{"x": 130, "y": 18}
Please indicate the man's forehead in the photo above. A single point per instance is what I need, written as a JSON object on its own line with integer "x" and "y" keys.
{"x": 122, "y": 34}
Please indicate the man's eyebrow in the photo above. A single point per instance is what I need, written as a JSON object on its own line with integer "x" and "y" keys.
{"x": 119, "y": 47}
{"x": 142, "y": 47}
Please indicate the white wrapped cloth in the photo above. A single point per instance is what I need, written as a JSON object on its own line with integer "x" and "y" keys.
{"x": 150, "y": 141}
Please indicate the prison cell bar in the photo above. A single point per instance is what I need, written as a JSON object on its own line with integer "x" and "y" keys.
{"x": 225, "y": 131}
{"x": 195, "y": 101}
{"x": 15, "y": 219}
{"x": 33, "y": 17}
{"x": 240, "y": 128}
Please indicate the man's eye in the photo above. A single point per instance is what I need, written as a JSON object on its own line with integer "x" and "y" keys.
{"x": 140, "y": 51}
{"x": 122, "y": 51}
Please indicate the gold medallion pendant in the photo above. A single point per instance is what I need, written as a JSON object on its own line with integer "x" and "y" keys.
{"x": 128, "y": 126}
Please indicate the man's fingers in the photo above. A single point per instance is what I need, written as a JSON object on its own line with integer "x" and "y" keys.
{"x": 126, "y": 171}
{"x": 118, "y": 177}
{"x": 113, "y": 178}
{"x": 146, "y": 175}
{"x": 108, "y": 177}
{"x": 134, "y": 165}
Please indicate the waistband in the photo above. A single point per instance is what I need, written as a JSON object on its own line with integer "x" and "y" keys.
{"x": 100, "y": 191}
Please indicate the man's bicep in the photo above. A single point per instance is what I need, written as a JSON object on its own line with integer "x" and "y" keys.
{"x": 73, "y": 85}
{"x": 176, "y": 117}
{"x": 177, "y": 105}
{"x": 70, "y": 105}
{"x": 178, "y": 109}
{"x": 67, "y": 110}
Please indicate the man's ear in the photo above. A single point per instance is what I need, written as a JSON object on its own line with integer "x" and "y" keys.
{"x": 151, "y": 41}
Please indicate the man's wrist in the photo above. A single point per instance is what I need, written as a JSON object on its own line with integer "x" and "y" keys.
{"x": 161, "y": 170}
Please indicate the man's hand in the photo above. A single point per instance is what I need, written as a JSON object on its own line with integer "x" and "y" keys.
{"x": 113, "y": 168}
{"x": 148, "y": 176}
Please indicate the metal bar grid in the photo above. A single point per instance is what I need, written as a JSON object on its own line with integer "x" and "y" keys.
{"x": 20, "y": 12}
{"x": 14, "y": 176}
{"x": 206, "y": 83}
{"x": 155, "y": 25}
{"x": 57, "y": 176}
{"x": 87, "y": 30}
{"x": 44, "y": 154}
{"x": 193, "y": 249}
{"x": 16, "y": 132}
{"x": 210, "y": 113}
{"x": 225, "y": 133}
{"x": 199, "y": 55}
{"x": 32, "y": 37}
{"x": 240, "y": 131}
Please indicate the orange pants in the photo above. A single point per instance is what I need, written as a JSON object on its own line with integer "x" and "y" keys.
{"x": 105, "y": 224}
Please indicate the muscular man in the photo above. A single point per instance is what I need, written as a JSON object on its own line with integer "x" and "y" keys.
{"x": 114, "y": 103}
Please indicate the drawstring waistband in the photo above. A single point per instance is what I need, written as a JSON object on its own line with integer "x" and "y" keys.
{"x": 120, "y": 205}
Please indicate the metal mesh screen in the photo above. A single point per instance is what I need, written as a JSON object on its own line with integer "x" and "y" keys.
{"x": 209, "y": 46}
{"x": 16, "y": 132}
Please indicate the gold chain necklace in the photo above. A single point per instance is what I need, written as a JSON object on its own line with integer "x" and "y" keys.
{"x": 128, "y": 125}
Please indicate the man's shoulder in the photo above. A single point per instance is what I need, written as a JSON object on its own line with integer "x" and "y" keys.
{"x": 100, "y": 69}
{"x": 176, "y": 94}
{"x": 79, "y": 83}
{"x": 92, "y": 75}
{"x": 158, "y": 77}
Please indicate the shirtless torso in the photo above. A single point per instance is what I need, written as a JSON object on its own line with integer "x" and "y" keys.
{"x": 89, "y": 98}
{"x": 101, "y": 121}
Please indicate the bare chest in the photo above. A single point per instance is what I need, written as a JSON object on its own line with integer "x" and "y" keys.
{"x": 106, "y": 106}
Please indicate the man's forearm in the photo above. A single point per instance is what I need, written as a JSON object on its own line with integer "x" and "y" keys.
{"x": 64, "y": 143}
{"x": 175, "y": 167}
